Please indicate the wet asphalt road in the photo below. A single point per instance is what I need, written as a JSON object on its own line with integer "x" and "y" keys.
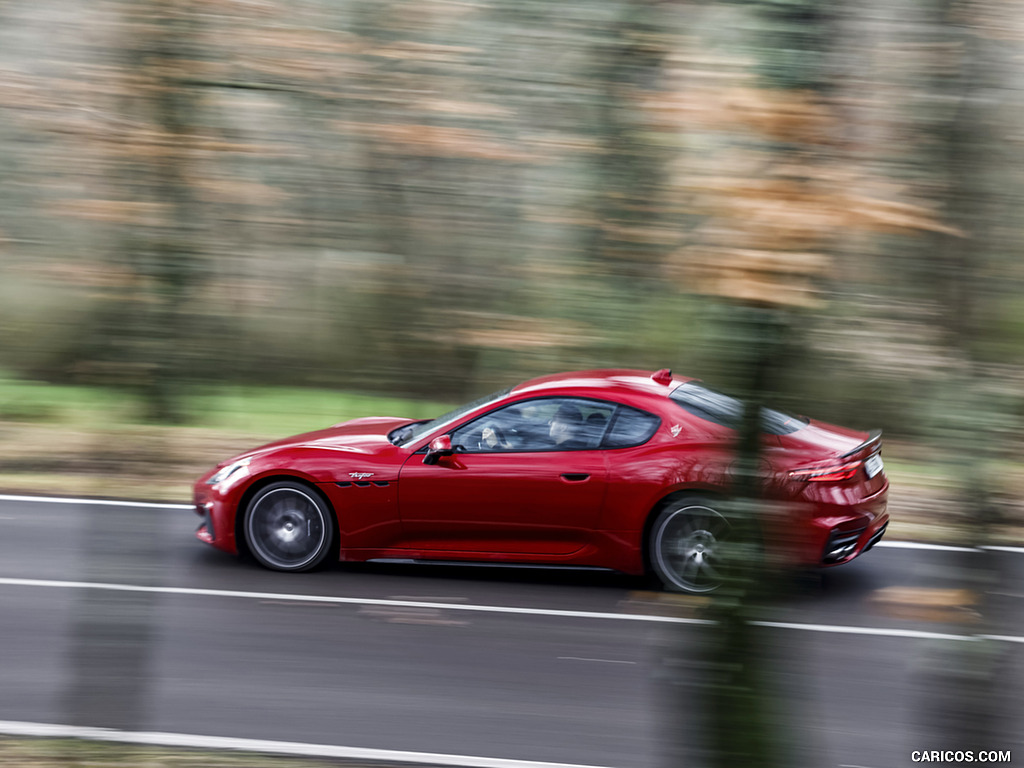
{"x": 596, "y": 690}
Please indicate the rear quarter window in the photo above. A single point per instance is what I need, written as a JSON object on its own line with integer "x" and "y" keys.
{"x": 707, "y": 404}
{"x": 631, "y": 427}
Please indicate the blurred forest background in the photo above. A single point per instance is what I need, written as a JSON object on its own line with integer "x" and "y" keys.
{"x": 425, "y": 200}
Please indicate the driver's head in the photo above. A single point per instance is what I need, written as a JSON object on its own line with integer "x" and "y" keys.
{"x": 566, "y": 423}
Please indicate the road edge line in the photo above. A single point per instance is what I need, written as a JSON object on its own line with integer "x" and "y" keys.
{"x": 98, "y": 502}
{"x": 196, "y": 741}
{"x": 342, "y": 600}
{"x": 494, "y": 609}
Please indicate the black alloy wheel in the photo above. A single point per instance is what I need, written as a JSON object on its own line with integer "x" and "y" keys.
{"x": 288, "y": 527}
{"x": 685, "y": 545}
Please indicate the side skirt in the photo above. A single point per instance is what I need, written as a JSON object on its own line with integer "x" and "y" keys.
{"x": 486, "y": 564}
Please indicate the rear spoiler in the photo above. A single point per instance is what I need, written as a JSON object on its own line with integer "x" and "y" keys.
{"x": 874, "y": 438}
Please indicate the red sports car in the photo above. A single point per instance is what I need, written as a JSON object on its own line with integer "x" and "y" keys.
{"x": 614, "y": 469}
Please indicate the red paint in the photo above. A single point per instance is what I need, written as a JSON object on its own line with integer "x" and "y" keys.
{"x": 586, "y": 506}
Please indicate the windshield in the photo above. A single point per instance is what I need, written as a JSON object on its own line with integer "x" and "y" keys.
{"x": 727, "y": 411}
{"x": 410, "y": 432}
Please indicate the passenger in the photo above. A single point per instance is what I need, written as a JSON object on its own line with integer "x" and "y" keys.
{"x": 565, "y": 430}
{"x": 593, "y": 430}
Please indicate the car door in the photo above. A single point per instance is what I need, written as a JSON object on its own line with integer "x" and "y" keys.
{"x": 511, "y": 487}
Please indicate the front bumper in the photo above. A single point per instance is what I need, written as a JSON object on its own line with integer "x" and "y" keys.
{"x": 205, "y": 531}
{"x": 217, "y": 524}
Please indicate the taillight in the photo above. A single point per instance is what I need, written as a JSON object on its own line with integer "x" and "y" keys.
{"x": 828, "y": 473}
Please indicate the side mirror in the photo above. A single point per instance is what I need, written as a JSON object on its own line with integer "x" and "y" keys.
{"x": 439, "y": 446}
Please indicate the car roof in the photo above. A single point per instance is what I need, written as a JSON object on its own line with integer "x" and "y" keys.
{"x": 606, "y": 382}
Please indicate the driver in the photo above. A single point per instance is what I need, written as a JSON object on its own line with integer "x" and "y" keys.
{"x": 492, "y": 435}
{"x": 491, "y": 439}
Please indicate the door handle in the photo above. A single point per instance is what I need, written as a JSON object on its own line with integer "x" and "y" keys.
{"x": 575, "y": 477}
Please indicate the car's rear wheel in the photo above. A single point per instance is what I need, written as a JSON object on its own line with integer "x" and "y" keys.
{"x": 288, "y": 527}
{"x": 685, "y": 545}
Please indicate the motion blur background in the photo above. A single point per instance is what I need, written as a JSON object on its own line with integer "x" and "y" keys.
{"x": 215, "y": 212}
{"x": 432, "y": 199}
{"x": 235, "y": 219}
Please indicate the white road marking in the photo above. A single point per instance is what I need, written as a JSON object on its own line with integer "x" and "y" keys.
{"x": 1004, "y": 638}
{"x": 284, "y": 597}
{"x": 604, "y": 661}
{"x": 948, "y": 548}
{"x": 922, "y": 545}
{"x": 99, "y": 502}
{"x": 428, "y": 598}
{"x": 156, "y": 738}
{"x": 875, "y": 631}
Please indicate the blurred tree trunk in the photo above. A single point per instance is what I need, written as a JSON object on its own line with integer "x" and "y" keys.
{"x": 633, "y": 230}
{"x": 145, "y": 320}
{"x": 175, "y": 250}
{"x": 964, "y": 697}
{"x": 747, "y": 725}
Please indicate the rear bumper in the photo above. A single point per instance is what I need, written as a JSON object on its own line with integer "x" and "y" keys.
{"x": 826, "y": 524}
{"x": 843, "y": 533}
{"x": 843, "y": 545}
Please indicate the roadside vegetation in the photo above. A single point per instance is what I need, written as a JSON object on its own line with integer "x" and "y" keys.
{"x": 62, "y": 753}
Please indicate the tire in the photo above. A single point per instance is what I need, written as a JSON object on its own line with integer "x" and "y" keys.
{"x": 684, "y": 545}
{"x": 288, "y": 527}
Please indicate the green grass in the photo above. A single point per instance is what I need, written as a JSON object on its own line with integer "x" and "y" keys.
{"x": 291, "y": 410}
{"x": 265, "y": 410}
{"x": 75, "y": 406}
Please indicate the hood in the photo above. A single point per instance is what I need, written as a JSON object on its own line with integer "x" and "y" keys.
{"x": 361, "y": 436}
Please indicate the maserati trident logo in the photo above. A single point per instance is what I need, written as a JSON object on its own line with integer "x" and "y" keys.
{"x": 676, "y": 429}
{"x": 360, "y": 475}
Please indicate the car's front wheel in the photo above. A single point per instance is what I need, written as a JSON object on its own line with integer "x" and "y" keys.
{"x": 685, "y": 545}
{"x": 288, "y": 527}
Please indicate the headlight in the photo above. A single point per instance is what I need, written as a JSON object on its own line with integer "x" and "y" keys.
{"x": 225, "y": 472}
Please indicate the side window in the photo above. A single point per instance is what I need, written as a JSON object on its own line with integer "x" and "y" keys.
{"x": 504, "y": 429}
{"x": 631, "y": 427}
{"x": 545, "y": 424}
